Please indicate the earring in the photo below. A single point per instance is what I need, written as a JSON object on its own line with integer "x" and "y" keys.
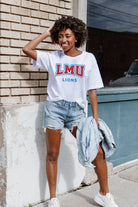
{"x": 75, "y": 40}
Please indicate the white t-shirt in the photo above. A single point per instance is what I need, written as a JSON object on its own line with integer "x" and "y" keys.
{"x": 69, "y": 77}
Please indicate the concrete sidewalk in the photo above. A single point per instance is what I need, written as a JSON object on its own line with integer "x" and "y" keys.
{"x": 123, "y": 183}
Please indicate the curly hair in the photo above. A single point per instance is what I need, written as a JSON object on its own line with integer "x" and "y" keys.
{"x": 77, "y": 26}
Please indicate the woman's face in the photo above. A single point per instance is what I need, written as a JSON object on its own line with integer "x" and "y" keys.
{"x": 67, "y": 39}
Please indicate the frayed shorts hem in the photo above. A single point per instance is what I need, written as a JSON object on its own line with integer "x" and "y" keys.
{"x": 62, "y": 114}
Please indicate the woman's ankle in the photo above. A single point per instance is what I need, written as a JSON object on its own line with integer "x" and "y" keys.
{"x": 104, "y": 192}
{"x": 52, "y": 196}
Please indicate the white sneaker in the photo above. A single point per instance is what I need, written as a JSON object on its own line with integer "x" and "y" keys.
{"x": 106, "y": 201}
{"x": 54, "y": 202}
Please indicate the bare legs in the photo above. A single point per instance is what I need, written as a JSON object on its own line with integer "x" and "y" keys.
{"x": 101, "y": 171}
{"x": 53, "y": 138}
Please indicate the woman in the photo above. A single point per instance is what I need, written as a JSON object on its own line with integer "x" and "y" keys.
{"x": 71, "y": 74}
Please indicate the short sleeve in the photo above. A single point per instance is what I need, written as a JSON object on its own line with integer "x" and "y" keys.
{"x": 94, "y": 79}
{"x": 43, "y": 60}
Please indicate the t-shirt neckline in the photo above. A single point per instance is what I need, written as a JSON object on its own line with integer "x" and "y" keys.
{"x": 77, "y": 56}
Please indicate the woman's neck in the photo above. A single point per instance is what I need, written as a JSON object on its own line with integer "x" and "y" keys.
{"x": 74, "y": 52}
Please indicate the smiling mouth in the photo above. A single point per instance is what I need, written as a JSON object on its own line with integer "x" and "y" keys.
{"x": 64, "y": 45}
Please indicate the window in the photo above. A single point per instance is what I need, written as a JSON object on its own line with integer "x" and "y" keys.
{"x": 113, "y": 37}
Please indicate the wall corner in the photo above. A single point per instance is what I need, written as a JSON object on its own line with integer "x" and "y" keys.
{"x": 79, "y": 10}
{"x": 3, "y": 177}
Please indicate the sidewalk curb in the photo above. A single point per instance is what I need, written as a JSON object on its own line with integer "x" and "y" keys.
{"x": 112, "y": 172}
{"x": 125, "y": 166}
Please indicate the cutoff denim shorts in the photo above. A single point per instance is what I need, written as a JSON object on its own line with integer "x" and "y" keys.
{"x": 62, "y": 114}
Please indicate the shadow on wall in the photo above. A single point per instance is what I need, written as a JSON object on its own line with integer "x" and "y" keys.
{"x": 41, "y": 150}
{"x": 41, "y": 191}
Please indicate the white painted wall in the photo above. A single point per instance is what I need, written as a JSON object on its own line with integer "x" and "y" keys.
{"x": 79, "y": 8}
{"x": 26, "y": 152}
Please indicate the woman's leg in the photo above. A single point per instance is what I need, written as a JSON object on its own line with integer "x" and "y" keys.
{"x": 101, "y": 171}
{"x": 53, "y": 137}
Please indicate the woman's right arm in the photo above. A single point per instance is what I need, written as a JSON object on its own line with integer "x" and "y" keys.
{"x": 29, "y": 49}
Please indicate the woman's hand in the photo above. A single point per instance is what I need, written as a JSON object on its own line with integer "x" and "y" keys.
{"x": 96, "y": 119}
{"x": 29, "y": 49}
{"x": 49, "y": 31}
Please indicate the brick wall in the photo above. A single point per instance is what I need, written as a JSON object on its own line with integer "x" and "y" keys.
{"x": 21, "y": 21}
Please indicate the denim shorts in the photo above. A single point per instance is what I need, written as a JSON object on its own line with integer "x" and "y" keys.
{"x": 62, "y": 114}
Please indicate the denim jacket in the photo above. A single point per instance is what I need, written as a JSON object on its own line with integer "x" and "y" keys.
{"x": 89, "y": 137}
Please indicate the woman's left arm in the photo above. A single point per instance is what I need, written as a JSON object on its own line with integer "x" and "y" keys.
{"x": 94, "y": 104}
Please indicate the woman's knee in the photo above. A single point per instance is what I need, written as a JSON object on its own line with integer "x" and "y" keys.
{"x": 53, "y": 138}
{"x": 52, "y": 156}
{"x": 100, "y": 154}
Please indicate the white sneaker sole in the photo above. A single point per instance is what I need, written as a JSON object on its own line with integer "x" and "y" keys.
{"x": 99, "y": 201}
